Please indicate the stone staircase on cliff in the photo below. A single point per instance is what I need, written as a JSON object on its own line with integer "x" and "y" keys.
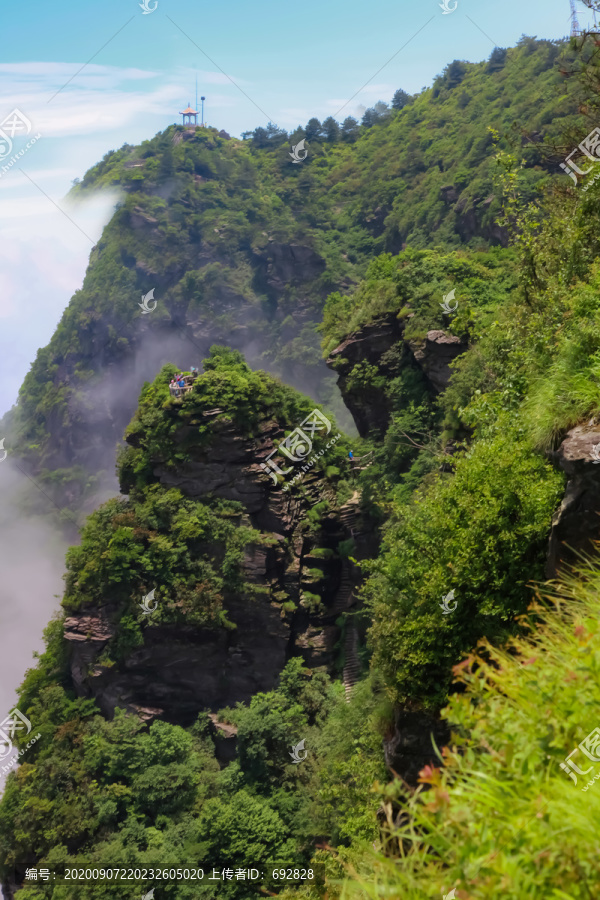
{"x": 343, "y": 598}
{"x": 343, "y": 602}
{"x": 349, "y": 514}
{"x": 351, "y": 671}
{"x": 358, "y": 463}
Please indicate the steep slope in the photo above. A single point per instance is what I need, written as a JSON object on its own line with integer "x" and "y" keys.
{"x": 240, "y": 246}
{"x": 212, "y": 600}
{"x": 464, "y": 418}
{"x": 246, "y": 574}
{"x": 487, "y": 815}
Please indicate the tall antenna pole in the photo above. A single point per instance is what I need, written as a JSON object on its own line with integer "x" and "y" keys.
{"x": 575, "y": 30}
{"x": 203, "y": 99}
{"x": 196, "y": 92}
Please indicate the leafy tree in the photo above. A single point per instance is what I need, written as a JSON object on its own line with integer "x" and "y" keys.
{"x": 481, "y": 533}
{"x": 350, "y": 129}
{"x": 375, "y": 114}
{"x": 454, "y": 73}
{"x": 167, "y": 166}
{"x": 369, "y": 118}
{"x": 269, "y": 136}
{"x": 497, "y": 59}
{"x": 331, "y": 130}
{"x": 313, "y": 130}
{"x": 401, "y": 99}
{"x": 245, "y": 830}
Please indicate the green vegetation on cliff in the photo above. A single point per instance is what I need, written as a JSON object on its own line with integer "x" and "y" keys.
{"x": 480, "y": 532}
{"x": 243, "y": 247}
{"x": 164, "y": 427}
{"x": 496, "y": 815}
{"x": 457, "y": 475}
{"x": 102, "y": 792}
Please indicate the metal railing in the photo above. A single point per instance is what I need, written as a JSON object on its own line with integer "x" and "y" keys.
{"x": 178, "y": 391}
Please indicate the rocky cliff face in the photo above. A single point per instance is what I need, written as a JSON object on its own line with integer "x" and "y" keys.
{"x": 434, "y": 355}
{"x": 96, "y": 377}
{"x": 370, "y": 408}
{"x": 381, "y": 345}
{"x": 99, "y": 410}
{"x": 408, "y": 746}
{"x": 576, "y": 523}
{"x": 178, "y": 672}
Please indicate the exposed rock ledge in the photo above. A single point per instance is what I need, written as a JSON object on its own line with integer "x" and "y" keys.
{"x": 180, "y": 671}
{"x": 434, "y": 356}
{"x": 374, "y": 344}
{"x": 576, "y": 524}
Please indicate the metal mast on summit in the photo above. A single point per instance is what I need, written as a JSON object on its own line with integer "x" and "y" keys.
{"x": 575, "y": 29}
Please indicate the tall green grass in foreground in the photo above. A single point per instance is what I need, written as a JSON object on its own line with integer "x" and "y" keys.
{"x": 566, "y": 388}
{"x": 500, "y": 818}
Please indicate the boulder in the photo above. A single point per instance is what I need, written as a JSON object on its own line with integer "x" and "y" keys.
{"x": 434, "y": 356}
{"x": 576, "y": 523}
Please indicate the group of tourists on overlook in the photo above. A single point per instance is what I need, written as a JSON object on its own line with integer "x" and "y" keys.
{"x": 183, "y": 383}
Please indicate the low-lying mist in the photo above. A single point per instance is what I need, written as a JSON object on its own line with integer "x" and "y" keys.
{"x": 32, "y": 562}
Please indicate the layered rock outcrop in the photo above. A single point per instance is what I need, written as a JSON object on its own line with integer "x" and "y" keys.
{"x": 434, "y": 356}
{"x": 369, "y": 406}
{"x": 381, "y": 347}
{"x": 299, "y": 581}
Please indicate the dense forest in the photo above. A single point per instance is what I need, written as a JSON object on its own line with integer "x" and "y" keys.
{"x": 373, "y": 660}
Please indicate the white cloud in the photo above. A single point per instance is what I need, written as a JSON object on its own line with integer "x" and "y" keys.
{"x": 65, "y": 70}
{"x": 43, "y": 254}
{"x": 83, "y": 111}
{"x": 85, "y": 108}
{"x": 381, "y": 90}
{"x": 13, "y": 184}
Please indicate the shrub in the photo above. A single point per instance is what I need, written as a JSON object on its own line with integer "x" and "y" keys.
{"x": 481, "y": 533}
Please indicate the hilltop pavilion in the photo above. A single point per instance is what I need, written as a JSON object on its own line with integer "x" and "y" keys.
{"x": 187, "y": 114}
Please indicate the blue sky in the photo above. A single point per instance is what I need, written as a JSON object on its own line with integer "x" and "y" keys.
{"x": 294, "y": 60}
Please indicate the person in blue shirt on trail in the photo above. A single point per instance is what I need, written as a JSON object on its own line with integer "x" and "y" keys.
{"x": 350, "y": 454}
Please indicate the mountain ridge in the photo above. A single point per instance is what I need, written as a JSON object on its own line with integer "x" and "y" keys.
{"x": 243, "y": 248}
